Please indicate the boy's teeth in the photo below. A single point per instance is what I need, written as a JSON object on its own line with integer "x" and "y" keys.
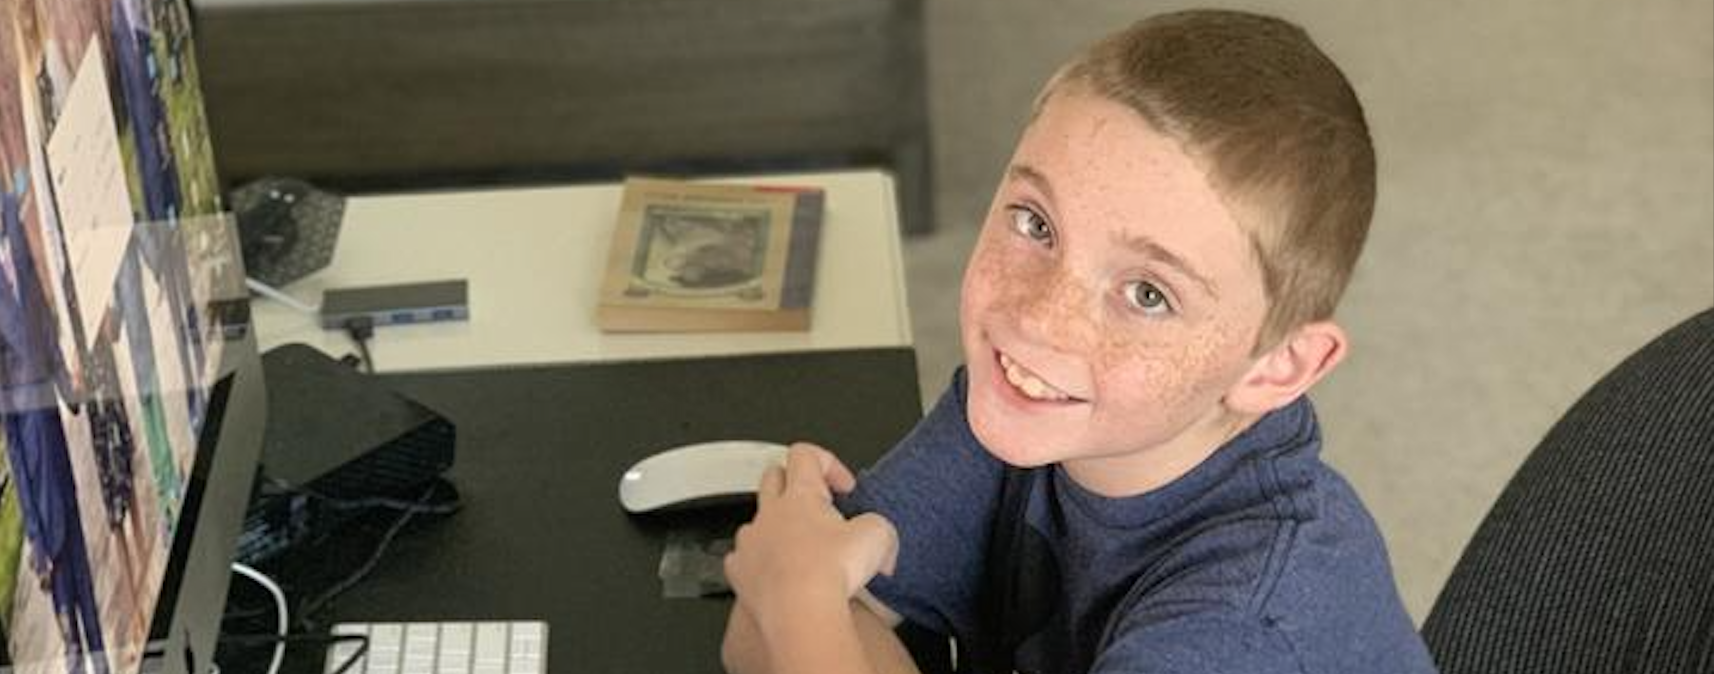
{"x": 1031, "y": 386}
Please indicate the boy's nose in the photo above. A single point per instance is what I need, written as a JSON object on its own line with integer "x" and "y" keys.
{"x": 1059, "y": 310}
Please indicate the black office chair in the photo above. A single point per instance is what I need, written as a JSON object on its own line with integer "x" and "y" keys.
{"x": 1598, "y": 557}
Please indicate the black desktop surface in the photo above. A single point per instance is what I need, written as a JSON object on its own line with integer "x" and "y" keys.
{"x": 541, "y": 535}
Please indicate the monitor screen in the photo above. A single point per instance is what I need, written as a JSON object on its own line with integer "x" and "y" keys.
{"x": 126, "y": 366}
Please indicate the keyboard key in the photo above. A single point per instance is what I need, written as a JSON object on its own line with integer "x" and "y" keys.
{"x": 420, "y": 647}
{"x": 341, "y": 652}
{"x": 491, "y": 646}
{"x": 457, "y": 648}
{"x": 386, "y": 643}
{"x": 530, "y": 631}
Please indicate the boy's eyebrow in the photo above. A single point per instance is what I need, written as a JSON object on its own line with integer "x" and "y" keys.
{"x": 1030, "y": 175}
{"x": 1147, "y": 247}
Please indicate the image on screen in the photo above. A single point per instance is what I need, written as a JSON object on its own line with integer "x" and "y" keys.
{"x": 109, "y": 209}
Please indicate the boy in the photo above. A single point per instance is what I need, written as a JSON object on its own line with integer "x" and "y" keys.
{"x": 1124, "y": 478}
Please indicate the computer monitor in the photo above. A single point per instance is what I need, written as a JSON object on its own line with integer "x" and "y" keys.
{"x": 131, "y": 405}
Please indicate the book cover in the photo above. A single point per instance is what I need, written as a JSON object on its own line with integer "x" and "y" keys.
{"x": 689, "y": 257}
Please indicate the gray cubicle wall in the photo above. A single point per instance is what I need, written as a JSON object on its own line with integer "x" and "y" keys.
{"x": 383, "y": 94}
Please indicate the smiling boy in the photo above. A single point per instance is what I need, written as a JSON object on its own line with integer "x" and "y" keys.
{"x": 1125, "y": 476}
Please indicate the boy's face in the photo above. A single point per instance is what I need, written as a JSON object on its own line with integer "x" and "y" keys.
{"x": 1110, "y": 303}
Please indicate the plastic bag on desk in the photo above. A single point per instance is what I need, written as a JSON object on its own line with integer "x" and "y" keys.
{"x": 693, "y": 565}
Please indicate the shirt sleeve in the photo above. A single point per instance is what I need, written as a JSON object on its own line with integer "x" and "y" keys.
{"x": 938, "y": 487}
{"x": 1217, "y": 642}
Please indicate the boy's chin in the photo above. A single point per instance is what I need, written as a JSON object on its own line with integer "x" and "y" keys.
{"x": 1007, "y": 441}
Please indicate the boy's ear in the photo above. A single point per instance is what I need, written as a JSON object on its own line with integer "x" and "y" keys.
{"x": 1284, "y": 372}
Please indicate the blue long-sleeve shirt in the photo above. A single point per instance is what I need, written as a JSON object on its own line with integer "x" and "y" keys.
{"x": 1259, "y": 560}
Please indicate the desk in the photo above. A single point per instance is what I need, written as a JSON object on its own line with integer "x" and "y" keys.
{"x": 542, "y": 536}
{"x": 534, "y": 259}
{"x": 550, "y": 411}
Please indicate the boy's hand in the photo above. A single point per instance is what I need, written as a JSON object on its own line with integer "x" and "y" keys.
{"x": 799, "y": 549}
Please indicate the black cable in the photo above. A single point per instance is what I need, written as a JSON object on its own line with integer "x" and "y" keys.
{"x": 361, "y": 328}
{"x": 310, "y": 608}
{"x": 236, "y": 612}
{"x": 366, "y": 502}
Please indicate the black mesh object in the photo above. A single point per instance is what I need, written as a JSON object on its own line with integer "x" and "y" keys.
{"x": 1598, "y": 556}
{"x": 287, "y": 228}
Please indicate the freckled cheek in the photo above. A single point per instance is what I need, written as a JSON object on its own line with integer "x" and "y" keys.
{"x": 1000, "y": 280}
{"x": 1154, "y": 370}
{"x": 1132, "y": 386}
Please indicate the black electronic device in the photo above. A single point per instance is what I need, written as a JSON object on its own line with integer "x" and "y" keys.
{"x": 335, "y": 437}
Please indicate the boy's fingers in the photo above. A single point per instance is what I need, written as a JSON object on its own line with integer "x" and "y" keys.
{"x": 837, "y": 475}
{"x": 729, "y": 565}
{"x": 773, "y": 482}
{"x": 878, "y": 541}
{"x": 833, "y": 473}
{"x": 803, "y": 470}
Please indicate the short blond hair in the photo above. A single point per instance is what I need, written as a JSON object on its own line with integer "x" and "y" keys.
{"x": 1275, "y": 124}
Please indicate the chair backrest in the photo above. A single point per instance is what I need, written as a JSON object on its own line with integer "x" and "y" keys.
{"x": 1598, "y": 556}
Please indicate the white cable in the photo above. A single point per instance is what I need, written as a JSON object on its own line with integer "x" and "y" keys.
{"x": 280, "y": 296}
{"x": 279, "y": 604}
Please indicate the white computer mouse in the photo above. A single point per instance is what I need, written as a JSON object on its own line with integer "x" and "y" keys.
{"x": 699, "y": 474}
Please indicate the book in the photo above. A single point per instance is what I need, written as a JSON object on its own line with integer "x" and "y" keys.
{"x": 696, "y": 257}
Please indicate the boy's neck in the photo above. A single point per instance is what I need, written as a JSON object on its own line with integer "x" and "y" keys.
{"x": 1138, "y": 472}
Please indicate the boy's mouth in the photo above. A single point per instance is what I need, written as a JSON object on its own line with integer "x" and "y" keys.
{"x": 1030, "y": 385}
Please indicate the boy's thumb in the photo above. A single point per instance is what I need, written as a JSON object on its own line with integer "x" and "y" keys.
{"x": 878, "y": 541}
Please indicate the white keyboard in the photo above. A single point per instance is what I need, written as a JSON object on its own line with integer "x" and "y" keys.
{"x": 519, "y": 647}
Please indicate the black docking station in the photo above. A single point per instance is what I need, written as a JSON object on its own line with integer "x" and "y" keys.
{"x": 336, "y": 439}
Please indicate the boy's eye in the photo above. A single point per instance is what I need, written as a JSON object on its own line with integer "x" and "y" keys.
{"x": 1145, "y": 297}
{"x": 1031, "y": 225}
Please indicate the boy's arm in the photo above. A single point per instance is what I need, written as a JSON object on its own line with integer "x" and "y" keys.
{"x": 743, "y": 652}
{"x": 795, "y": 570}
